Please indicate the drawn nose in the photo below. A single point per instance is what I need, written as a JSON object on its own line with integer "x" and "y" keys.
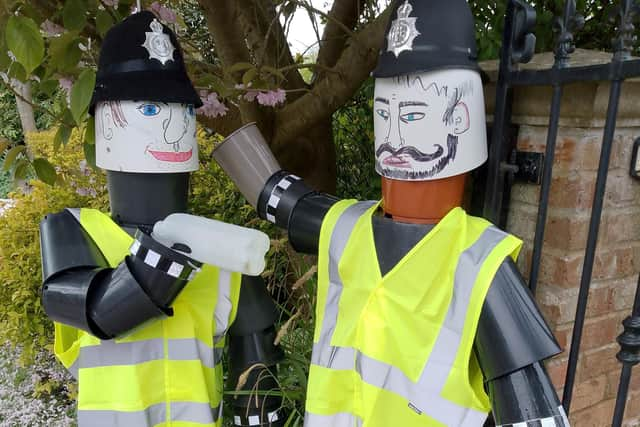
{"x": 175, "y": 126}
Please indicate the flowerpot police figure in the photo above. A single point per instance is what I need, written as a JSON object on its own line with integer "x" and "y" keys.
{"x": 420, "y": 306}
{"x": 140, "y": 322}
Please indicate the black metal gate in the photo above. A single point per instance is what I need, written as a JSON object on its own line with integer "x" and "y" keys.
{"x": 518, "y": 45}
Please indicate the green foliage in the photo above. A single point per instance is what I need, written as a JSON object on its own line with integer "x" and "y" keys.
{"x": 81, "y": 95}
{"x": 597, "y": 33}
{"x": 354, "y": 141}
{"x": 26, "y": 43}
{"x": 24, "y": 321}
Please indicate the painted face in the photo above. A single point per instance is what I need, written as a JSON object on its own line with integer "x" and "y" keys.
{"x": 146, "y": 136}
{"x": 429, "y": 125}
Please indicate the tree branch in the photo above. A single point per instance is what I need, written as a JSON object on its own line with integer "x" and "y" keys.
{"x": 267, "y": 40}
{"x": 334, "y": 37}
{"x": 231, "y": 47}
{"x": 353, "y": 67}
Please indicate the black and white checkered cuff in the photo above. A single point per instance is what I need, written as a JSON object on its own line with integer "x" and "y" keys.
{"x": 255, "y": 420}
{"x": 276, "y": 194}
{"x": 162, "y": 263}
{"x": 556, "y": 421}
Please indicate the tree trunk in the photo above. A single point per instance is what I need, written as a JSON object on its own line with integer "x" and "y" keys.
{"x": 25, "y": 110}
{"x": 312, "y": 156}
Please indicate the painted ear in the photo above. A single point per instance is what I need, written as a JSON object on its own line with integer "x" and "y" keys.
{"x": 106, "y": 122}
{"x": 461, "y": 120}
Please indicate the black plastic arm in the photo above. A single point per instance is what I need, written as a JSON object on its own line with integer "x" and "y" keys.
{"x": 64, "y": 245}
{"x": 289, "y": 203}
{"x": 512, "y": 333}
{"x": 526, "y": 397}
{"x": 81, "y": 290}
{"x": 251, "y": 346}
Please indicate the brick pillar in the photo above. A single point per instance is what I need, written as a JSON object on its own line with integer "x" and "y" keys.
{"x": 617, "y": 265}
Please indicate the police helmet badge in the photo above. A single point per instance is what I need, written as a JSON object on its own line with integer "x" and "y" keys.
{"x": 158, "y": 44}
{"x": 403, "y": 31}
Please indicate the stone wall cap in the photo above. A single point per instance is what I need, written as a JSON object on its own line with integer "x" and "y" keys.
{"x": 545, "y": 60}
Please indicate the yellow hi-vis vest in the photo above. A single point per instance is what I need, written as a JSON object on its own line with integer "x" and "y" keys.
{"x": 165, "y": 373}
{"x": 396, "y": 350}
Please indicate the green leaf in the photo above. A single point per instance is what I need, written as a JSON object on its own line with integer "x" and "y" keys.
{"x": 17, "y": 71}
{"x": 81, "y": 94}
{"x": 274, "y": 71}
{"x": 48, "y": 87}
{"x": 4, "y": 144}
{"x": 90, "y": 131}
{"x": 249, "y": 76}
{"x": 45, "y": 171}
{"x": 90, "y": 155}
{"x": 20, "y": 171}
{"x": 74, "y": 15}
{"x": 64, "y": 52}
{"x": 104, "y": 21}
{"x": 240, "y": 66}
{"x": 11, "y": 156}
{"x": 62, "y": 136}
{"x": 25, "y": 41}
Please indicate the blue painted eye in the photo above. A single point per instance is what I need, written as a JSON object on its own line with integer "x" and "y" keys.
{"x": 412, "y": 117}
{"x": 149, "y": 110}
{"x": 383, "y": 113}
{"x": 190, "y": 110}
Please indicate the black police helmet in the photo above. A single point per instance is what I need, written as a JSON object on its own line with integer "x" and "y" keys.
{"x": 428, "y": 35}
{"x": 141, "y": 59}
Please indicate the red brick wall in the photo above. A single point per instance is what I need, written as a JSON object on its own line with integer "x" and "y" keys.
{"x": 617, "y": 266}
{"x": 615, "y": 272}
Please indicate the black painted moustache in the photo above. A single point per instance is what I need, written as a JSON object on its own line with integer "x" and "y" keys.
{"x": 411, "y": 151}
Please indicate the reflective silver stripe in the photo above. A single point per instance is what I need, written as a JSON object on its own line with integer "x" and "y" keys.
{"x": 223, "y": 306}
{"x": 194, "y": 412}
{"x": 423, "y": 396}
{"x": 194, "y": 349}
{"x": 110, "y": 353}
{"x": 75, "y": 212}
{"x": 342, "y": 419}
{"x": 73, "y": 369}
{"x": 151, "y": 416}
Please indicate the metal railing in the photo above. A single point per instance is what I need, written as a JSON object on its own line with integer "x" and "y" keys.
{"x": 518, "y": 44}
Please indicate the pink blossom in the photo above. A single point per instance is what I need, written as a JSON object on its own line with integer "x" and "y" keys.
{"x": 212, "y": 106}
{"x": 51, "y": 29}
{"x": 66, "y": 83}
{"x": 164, "y": 13}
{"x": 272, "y": 97}
{"x": 250, "y": 95}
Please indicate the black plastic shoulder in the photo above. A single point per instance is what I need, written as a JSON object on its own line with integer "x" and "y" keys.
{"x": 306, "y": 221}
{"x": 289, "y": 203}
{"x": 256, "y": 309}
{"x": 511, "y": 332}
{"x": 65, "y": 245}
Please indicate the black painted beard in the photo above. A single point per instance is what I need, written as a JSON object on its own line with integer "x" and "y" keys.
{"x": 417, "y": 155}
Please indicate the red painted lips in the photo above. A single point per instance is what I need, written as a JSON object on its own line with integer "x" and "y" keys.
{"x": 172, "y": 156}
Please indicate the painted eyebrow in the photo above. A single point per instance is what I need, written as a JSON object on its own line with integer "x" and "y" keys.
{"x": 412, "y": 103}
{"x": 383, "y": 100}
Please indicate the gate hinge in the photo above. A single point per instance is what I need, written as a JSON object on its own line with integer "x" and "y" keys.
{"x": 530, "y": 166}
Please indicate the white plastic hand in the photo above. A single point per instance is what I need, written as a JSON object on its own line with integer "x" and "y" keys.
{"x": 230, "y": 247}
